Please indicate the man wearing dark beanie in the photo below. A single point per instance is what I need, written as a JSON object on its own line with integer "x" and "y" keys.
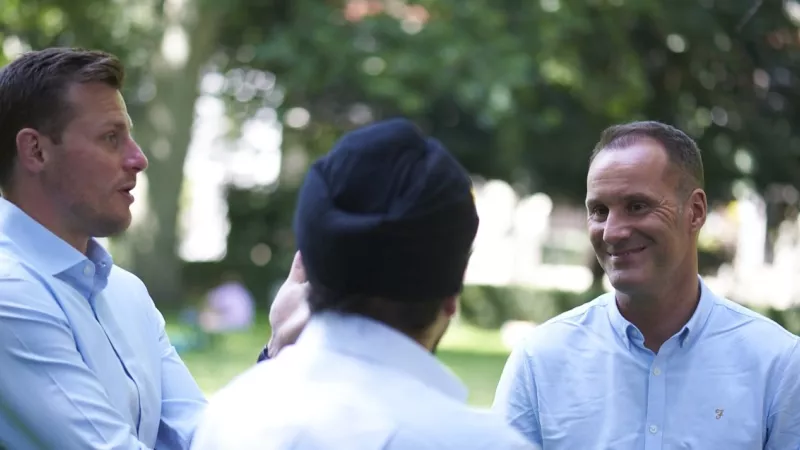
{"x": 385, "y": 224}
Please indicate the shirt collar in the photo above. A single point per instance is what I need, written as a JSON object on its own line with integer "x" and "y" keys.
{"x": 373, "y": 341}
{"x": 43, "y": 248}
{"x": 628, "y": 332}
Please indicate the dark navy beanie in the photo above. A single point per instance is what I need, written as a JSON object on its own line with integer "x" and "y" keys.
{"x": 387, "y": 213}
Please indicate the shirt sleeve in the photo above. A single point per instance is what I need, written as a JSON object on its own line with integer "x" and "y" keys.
{"x": 49, "y": 398}
{"x": 783, "y": 423}
{"x": 182, "y": 401}
{"x": 515, "y": 398}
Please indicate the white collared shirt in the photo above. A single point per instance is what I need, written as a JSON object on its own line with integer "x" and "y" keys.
{"x": 350, "y": 383}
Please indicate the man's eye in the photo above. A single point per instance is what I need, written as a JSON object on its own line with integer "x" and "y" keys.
{"x": 598, "y": 211}
{"x": 638, "y": 207}
{"x": 112, "y": 138}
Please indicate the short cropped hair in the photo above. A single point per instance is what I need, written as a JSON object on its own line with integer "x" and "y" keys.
{"x": 33, "y": 91}
{"x": 682, "y": 150}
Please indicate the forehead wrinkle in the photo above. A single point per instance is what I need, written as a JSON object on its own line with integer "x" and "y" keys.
{"x": 618, "y": 190}
{"x": 613, "y": 172}
{"x": 622, "y": 194}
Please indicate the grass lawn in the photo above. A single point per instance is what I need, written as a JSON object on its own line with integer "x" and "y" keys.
{"x": 477, "y": 356}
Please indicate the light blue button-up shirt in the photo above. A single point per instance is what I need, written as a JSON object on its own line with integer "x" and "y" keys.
{"x": 729, "y": 380}
{"x": 85, "y": 362}
{"x": 352, "y": 384}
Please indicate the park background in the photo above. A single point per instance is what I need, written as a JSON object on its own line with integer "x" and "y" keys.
{"x": 232, "y": 100}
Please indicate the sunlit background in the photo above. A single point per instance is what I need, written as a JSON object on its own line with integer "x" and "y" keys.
{"x": 233, "y": 100}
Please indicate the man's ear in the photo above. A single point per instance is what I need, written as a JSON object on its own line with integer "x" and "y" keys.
{"x": 450, "y": 306}
{"x": 31, "y": 153}
{"x": 698, "y": 208}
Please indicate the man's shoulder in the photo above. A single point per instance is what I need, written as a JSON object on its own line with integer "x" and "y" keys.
{"x": 13, "y": 266}
{"x": 19, "y": 277}
{"x": 277, "y": 405}
{"x": 253, "y": 383}
{"x": 428, "y": 419}
{"x": 279, "y": 398}
{"x": 767, "y": 334}
{"x": 123, "y": 277}
{"x": 581, "y": 322}
{"x": 587, "y": 312}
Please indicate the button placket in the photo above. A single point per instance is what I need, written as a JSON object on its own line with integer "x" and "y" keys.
{"x": 656, "y": 400}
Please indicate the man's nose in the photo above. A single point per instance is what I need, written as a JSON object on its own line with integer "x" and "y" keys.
{"x": 617, "y": 229}
{"x": 136, "y": 159}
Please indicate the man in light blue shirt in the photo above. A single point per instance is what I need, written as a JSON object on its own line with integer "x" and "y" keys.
{"x": 662, "y": 362}
{"x": 85, "y": 362}
{"x": 384, "y": 223}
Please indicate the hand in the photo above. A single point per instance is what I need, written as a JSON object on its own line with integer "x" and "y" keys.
{"x": 289, "y": 312}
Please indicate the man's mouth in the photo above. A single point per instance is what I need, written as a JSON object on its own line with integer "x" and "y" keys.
{"x": 624, "y": 253}
{"x": 127, "y": 194}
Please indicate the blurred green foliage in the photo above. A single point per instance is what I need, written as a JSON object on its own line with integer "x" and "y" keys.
{"x": 517, "y": 90}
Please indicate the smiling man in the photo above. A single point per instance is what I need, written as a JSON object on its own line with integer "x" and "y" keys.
{"x": 662, "y": 362}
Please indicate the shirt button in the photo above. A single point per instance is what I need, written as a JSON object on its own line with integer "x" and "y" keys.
{"x": 653, "y": 429}
{"x": 88, "y": 270}
{"x": 656, "y": 371}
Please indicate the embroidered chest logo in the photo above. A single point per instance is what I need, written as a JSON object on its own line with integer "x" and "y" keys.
{"x": 719, "y": 413}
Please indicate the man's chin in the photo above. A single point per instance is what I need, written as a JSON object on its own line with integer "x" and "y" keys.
{"x": 629, "y": 283}
{"x": 112, "y": 226}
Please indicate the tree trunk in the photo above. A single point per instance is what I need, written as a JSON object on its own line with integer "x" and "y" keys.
{"x": 164, "y": 131}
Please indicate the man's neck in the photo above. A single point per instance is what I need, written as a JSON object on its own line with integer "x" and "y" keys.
{"x": 47, "y": 216}
{"x": 660, "y": 316}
